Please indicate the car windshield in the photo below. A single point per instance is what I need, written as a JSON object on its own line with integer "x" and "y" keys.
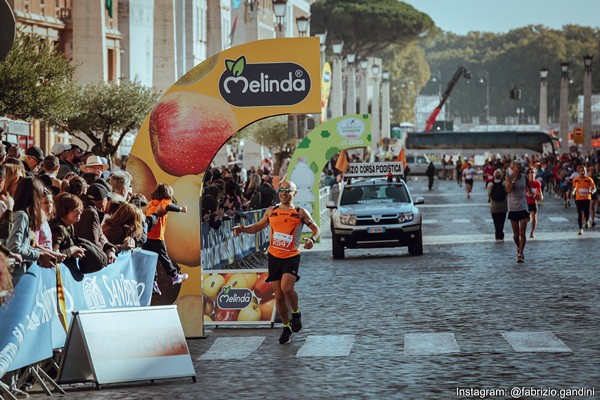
{"x": 374, "y": 194}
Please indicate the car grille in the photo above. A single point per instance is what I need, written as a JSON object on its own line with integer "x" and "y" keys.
{"x": 386, "y": 219}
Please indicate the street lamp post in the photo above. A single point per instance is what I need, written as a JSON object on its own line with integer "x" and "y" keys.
{"x": 336, "y": 83}
{"x": 543, "y": 99}
{"x": 279, "y": 7}
{"x": 302, "y": 25}
{"x": 486, "y": 78}
{"x": 375, "y": 127}
{"x": 587, "y": 105}
{"x": 364, "y": 86}
{"x": 564, "y": 99}
{"x": 385, "y": 106}
{"x": 322, "y": 39}
{"x": 351, "y": 95}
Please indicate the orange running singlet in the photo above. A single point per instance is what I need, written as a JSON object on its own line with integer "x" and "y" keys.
{"x": 286, "y": 228}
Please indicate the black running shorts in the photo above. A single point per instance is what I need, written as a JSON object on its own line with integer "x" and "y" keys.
{"x": 279, "y": 266}
{"x": 518, "y": 215}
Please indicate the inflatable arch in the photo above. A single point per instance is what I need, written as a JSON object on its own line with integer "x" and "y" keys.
{"x": 317, "y": 148}
{"x": 195, "y": 117}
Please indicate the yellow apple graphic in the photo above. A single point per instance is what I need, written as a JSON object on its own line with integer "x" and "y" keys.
{"x": 250, "y": 313}
{"x": 212, "y": 286}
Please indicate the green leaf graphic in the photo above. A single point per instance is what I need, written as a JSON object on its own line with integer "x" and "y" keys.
{"x": 325, "y": 134}
{"x": 332, "y": 151}
{"x": 239, "y": 65}
{"x": 304, "y": 144}
{"x": 314, "y": 167}
{"x": 369, "y": 138}
{"x": 226, "y": 289}
{"x": 229, "y": 64}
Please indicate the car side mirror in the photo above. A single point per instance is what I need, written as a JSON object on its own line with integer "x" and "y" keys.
{"x": 419, "y": 200}
{"x": 331, "y": 205}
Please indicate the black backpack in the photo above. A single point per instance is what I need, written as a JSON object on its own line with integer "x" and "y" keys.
{"x": 498, "y": 192}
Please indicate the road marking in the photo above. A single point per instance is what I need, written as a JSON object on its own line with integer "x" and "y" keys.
{"x": 452, "y": 205}
{"x": 489, "y": 220}
{"x": 558, "y": 219}
{"x": 535, "y": 342}
{"x": 326, "y": 346}
{"x": 429, "y": 240}
{"x": 430, "y": 343}
{"x": 430, "y": 221}
{"x": 461, "y": 221}
{"x": 232, "y": 348}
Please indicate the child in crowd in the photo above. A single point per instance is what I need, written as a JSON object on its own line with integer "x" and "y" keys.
{"x": 163, "y": 196}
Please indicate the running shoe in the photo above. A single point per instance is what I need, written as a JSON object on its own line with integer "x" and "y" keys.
{"x": 587, "y": 224}
{"x": 177, "y": 279}
{"x": 520, "y": 258}
{"x": 156, "y": 289}
{"x": 580, "y": 232}
{"x": 531, "y": 236}
{"x": 593, "y": 224}
{"x": 296, "y": 321}
{"x": 286, "y": 334}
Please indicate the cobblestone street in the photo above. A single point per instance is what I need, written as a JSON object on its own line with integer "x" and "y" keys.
{"x": 382, "y": 324}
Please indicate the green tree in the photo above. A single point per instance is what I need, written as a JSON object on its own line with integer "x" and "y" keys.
{"x": 36, "y": 81}
{"x": 409, "y": 72}
{"x": 272, "y": 133}
{"x": 108, "y": 111}
{"x": 366, "y": 26}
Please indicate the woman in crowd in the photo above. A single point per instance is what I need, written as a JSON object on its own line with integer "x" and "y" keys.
{"x": 44, "y": 234}
{"x": 68, "y": 211}
{"x": 28, "y": 219}
{"x": 498, "y": 205}
{"x": 124, "y": 227}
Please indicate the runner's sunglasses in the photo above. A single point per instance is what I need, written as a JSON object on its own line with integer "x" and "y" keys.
{"x": 286, "y": 190}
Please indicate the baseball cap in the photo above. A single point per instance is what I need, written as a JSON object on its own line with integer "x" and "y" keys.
{"x": 98, "y": 191}
{"x": 35, "y": 152}
{"x": 58, "y": 148}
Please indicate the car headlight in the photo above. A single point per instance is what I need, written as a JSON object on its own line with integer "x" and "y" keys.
{"x": 348, "y": 219}
{"x": 405, "y": 217}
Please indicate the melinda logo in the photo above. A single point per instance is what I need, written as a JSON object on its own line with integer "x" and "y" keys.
{"x": 267, "y": 84}
{"x": 233, "y": 299}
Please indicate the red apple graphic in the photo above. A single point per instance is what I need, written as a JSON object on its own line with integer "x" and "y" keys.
{"x": 263, "y": 289}
{"x": 186, "y": 131}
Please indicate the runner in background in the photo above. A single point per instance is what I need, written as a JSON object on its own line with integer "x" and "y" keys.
{"x": 469, "y": 175}
{"x": 534, "y": 194}
{"x": 583, "y": 187}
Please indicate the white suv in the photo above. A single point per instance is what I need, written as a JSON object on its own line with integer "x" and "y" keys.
{"x": 375, "y": 213}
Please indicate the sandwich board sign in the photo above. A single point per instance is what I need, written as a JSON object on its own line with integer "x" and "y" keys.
{"x": 125, "y": 345}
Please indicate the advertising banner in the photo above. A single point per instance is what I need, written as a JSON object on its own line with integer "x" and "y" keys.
{"x": 125, "y": 345}
{"x": 31, "y": 328}
{"x": 316, "y": 149}
{"x": 325, "y": 90}
{"x": 221, "y": 248}
{"x": 199, "y": 113}
{"x": 238, "y": 297}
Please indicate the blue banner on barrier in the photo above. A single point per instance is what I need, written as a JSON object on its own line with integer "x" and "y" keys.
{"x": 29, "y": 325}
{"x": 220, "y": 248}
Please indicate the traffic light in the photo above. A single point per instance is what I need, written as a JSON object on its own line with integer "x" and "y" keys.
{"x": 513, "y": 93}
{"x": 518, "y": 94}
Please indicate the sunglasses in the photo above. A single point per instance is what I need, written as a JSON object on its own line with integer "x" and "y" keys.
{"x": 285, "y": 190}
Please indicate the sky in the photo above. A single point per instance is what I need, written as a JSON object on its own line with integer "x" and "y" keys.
{"x": 500, "y": 16}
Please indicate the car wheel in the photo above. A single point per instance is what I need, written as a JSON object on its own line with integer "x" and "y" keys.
{"x": 337, "y": 248}
{"x": 415, "y": 248}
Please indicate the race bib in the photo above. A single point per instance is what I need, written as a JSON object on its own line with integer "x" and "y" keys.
{"x": 282, "y": 241}
{"x": 583, "y": 192}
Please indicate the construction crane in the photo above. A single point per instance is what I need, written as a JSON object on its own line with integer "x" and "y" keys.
{"x": 461, "y": 71}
